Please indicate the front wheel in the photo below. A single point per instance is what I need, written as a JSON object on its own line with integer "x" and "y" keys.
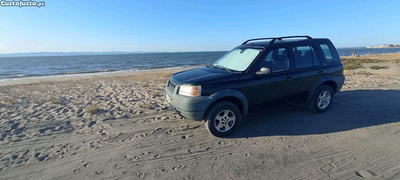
{"x": 322, "y": 99}
{"x": 222, "y": 119}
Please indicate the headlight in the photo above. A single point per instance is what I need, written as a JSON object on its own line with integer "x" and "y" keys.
{"x": 188, "y": 90}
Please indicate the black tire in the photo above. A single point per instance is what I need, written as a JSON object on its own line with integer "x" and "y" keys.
{"x": 219, "y": 109}
{"x": 313, "y": 104}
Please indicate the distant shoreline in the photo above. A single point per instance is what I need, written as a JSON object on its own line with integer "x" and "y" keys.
{"x": 386, "y": 46}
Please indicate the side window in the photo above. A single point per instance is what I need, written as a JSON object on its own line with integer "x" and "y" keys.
{"x": 330, "y": 53}
{"x": 315, "y": 57}
{"x": 277, "y": 60}
{"x": 269, "y": 57}
{"x": 305, "y": 57}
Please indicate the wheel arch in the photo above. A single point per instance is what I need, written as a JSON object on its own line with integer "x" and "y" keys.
{"x": 326, "y": 80}
{"x": 233, "y": 96}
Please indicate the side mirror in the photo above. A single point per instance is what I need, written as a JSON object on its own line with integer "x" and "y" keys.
{"x": 263, "y": 72}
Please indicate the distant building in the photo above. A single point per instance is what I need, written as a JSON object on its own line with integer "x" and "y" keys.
{"x": 385, "y": 46}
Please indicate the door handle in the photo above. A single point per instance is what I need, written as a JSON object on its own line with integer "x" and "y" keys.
{"x": 319, "y": 72}
{"x": 289, "y": 77}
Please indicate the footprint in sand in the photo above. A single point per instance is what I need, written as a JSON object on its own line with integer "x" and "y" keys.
{"x": 156, "y": 130}
{"x": 102, "y": 133}
{"x": 169, "y": 131}
{"x": 87, "y": 164}
{"x": 187, "y": 136}
{"x": 146, "y": 153}
{"x": 95, "y": 145}
{"x": 77, "y": 170}
{"x": 46, "y": 130}
{"x": 365, "y": 173}
{"x": 178, "y": 167}
{"x": 217, "y": 158}
{"x": 15, "y": 156}
{"x": 141, "y": 135}
{"x": 109, "y": 119}
{"x": 141, "y": 175}
{"x": 41, "y": 157}
{"x": 58, "y": 128}
{"x": 15, "y": 125}
{"x": 5, "y": 160}
{"x": 232, "y": 154}
{"x": 3, "y": 136}
{"x": 99, "y": 172}
{"x": 92, "y": 123}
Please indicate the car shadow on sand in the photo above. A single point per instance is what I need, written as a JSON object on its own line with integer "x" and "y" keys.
{"x": 351, "y": 110}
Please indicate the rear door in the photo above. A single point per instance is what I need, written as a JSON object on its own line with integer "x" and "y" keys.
{"x": 308, "y": 69}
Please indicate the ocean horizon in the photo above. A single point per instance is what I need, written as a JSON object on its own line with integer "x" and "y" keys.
{"x": 43, "y": 66}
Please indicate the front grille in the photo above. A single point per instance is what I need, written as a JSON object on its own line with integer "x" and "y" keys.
{"x": 171, "y": 85}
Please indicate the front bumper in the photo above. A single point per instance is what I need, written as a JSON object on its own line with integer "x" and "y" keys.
{"x": 192, "y": 108}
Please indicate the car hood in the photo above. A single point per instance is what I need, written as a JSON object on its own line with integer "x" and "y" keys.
{"x": 204, "y": 75}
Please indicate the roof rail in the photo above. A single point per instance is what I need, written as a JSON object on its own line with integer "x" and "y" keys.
{"x": 287, "y": 37}
{"x": 276, "y": 38}
{"x": 255, "y": 40}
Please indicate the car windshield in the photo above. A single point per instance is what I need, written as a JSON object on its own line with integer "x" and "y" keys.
{"x": 238, "y": 59}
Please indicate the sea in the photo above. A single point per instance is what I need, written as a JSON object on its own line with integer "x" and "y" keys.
{"x": 12, "y": 68}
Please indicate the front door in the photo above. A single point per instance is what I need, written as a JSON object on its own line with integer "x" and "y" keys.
{"x": 273, "y": 90}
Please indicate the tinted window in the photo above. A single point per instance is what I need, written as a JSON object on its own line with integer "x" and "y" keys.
{"x": 315, "y": 57}
{"x": 330, "y": 53}
{"x": 305, "y": 56}
{"x": 277, "y": 60}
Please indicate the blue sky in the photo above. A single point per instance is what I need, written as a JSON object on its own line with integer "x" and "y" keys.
{"x": 191, "y": 25}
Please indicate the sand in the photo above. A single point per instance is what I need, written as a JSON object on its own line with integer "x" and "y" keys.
{"x": 119, "y": 126}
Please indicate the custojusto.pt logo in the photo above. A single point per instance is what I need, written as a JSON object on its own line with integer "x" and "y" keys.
{"x": 4, "y": 3}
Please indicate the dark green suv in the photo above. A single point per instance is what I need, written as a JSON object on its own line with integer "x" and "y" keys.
{"x": 260, "y": 73}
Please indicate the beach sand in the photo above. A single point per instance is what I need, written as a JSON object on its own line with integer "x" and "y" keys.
{"x": 119, "y": 126}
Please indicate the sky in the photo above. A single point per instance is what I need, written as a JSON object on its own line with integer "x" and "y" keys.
{"x": 191, "y": 25}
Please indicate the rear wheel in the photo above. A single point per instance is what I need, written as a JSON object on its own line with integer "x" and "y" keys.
{"x": 222, "y": 119}
{"x": 322, "y": 99}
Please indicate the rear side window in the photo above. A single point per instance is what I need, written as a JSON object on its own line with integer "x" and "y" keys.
{"x": 305, "y": 57}
{"x": 330, "y": 53}
{"x": 277, "y": 60}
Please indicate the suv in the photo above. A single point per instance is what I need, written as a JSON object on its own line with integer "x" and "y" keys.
{"x": 260, "y": 73}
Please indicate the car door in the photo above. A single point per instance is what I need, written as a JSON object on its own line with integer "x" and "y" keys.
{"x": 272, "y": 90}
{"x": 308, "y": 69}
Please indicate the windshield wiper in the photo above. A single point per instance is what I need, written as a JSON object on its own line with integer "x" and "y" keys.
{"x": 210, "y": 66}
{"x": 225, "y": 68}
